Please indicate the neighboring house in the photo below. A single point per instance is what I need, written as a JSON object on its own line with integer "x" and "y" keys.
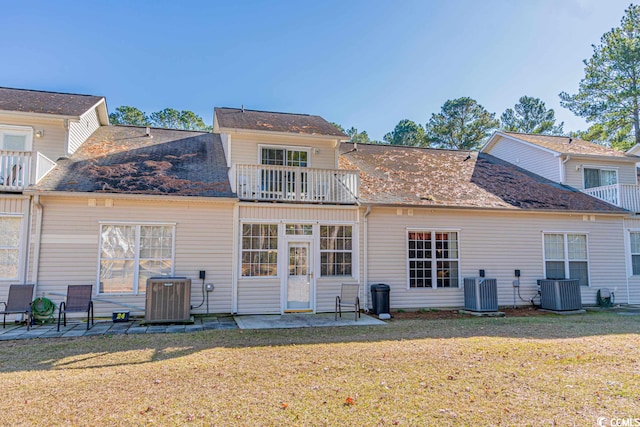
{"x": 279, "y": 210}
{"x": 36, "y": 129}
{"x": 599, "y": 171}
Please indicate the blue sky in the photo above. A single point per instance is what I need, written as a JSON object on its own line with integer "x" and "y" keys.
{"x": 367, "y": 64}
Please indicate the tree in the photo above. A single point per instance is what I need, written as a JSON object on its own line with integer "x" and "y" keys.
{"x": 167, "y": 118}
{"x": 530, "y": 115}
{"x": 609, "y": 94}
{"x": 339, "y": 127}
{"x": 462, "y": 124}
{"x": 406, "y": 132}
{"x": 127, "y": 115}
{"x": 598, "y": 134}
{"x": 359, "y": 137}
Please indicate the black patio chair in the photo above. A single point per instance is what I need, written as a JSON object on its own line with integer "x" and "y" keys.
{"x": 78, "y": 301}
{"x": 349, "y": 297}
{"x": 18, "y": 302}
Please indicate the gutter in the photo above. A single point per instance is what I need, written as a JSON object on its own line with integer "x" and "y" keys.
{"x": 563, "y": 169}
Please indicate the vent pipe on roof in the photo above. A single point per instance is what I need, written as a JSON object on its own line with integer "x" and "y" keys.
{"x": 355, "y": 146}
{"x": 243, "y": 108}
{"x": 147, "y": 132}
{"x": 570, "y": 140}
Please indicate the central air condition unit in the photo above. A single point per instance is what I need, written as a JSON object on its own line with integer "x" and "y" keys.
{"x": 480, "y": 294}
{"x": 168, "y": 300}
{"x": 560, "y": 295}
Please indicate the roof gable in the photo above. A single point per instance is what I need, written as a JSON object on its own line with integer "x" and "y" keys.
{"x": 560, "y": 145}
{"x": 41, "y": 102}
{"x": 253, "y": 120}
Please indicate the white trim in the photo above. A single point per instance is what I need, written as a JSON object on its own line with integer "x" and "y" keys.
{"x": 285, "y": 148}
{"x": 26, "y": 131}
{"x": 308, "y": 242}
{"x": 433, "y": 260}
{"x": 137, "y": 223}
{"x": 136, "y": 258}
{"x": 279, "y": 229}
{"x": 566, "y": 259}
{"x": 20, "y": 247}
{"x": 490, "y": 143}
{"x": 600, "y": 168}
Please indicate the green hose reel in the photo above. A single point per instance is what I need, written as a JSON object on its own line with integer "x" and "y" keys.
{"x": 43, "y": 309}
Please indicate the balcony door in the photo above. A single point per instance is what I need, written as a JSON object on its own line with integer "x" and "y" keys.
{"x": 283, "y": 183}
{"x": 14, "y": 142}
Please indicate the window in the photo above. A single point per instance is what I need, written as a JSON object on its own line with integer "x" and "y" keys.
{"x": 599, "y": 177}
{"x": 433, "y": 258}
{"x": 284, "y": 157}
{"x": 336, "y": 250}
{"x": 15, "y": 138}
{"x": 259, "y": 250}
{"x": 9, "y": 246}
{"x": 130, "y": 254}
{"x": 566, "y": 256}
{"x": 634, "y": 237}
{"x": 299, "y": 229}
{"x": 277, "y": 183}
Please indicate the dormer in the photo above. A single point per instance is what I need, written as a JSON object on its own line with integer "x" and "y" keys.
{"x": 599, "y": 171}
{"x": 284, "y": 157}
{"x": 37, "y": 128}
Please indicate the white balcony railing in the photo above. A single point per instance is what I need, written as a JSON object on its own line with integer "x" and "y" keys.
{"x": 296, "y": 184}
{"x": 17, "y": 171}
{"x": 626, "y": 196}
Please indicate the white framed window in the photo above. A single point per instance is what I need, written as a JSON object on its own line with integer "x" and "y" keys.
{"x": 634, "y": 240}
{"x": 259, "y": 250}
{"x": 16, "y": 138}
{"x": 599, "y": 177}
{"x": 566, "y": 256}
{"x": 336, "y": 250}
{"x": 132, "y": 253}
{"x": 284, "y": 156}
{"x": 10, "y": 247}
{"x": 433, "y": 259}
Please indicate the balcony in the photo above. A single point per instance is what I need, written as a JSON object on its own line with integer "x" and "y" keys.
{"x": 17, "y": 169}
{"x": 626, "y": 196}
{"x": 297, "y": 184}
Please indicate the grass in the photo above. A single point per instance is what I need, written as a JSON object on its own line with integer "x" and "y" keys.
{"x": 548, "y": 370}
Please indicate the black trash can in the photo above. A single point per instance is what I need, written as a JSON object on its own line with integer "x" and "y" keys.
{"x": 380, "y": 298}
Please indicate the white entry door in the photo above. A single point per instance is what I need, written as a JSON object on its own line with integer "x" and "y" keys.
{"x": 298, "y": 289}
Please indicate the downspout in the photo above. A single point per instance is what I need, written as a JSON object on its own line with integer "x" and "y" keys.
{"x": 27, "y": 237}
{"x": 234, "y": 261}
{"x": 36, "y": 249}
{"x": 627, "y": 258}
{"x": 563, "y": 170}
{"x": 366, "y": 257}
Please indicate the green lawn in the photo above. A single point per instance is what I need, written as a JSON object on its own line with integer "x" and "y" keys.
{"x": 472, "y": 371}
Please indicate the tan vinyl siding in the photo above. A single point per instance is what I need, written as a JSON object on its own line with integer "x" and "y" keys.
{"x": 245, "y": 149}
{"x": 203, "y": 241}
{"x": 13, "y": 205}
{"x": 575, "y": 175}
{"x": 52, "y": 144}
{"x": 264, "y": 295}
{"x": 499, "y": 243}
{"x": 633, "y": 281}
{"x": 290, "y": 213}
{"x": 80, "y": 131}
{"x": 533, "y": 159}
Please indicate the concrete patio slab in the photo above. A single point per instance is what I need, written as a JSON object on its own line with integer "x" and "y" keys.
{"x": 291, "y": 321}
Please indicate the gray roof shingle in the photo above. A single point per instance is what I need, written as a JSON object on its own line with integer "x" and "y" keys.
{"x": 236, "y": 118}
{"x": 432, "y": 177}
{"x": 122, "y": 159}
{"x": 41, "y": 102}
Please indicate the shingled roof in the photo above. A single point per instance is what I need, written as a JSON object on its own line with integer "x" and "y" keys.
{"x": 122, "y": 159}
{"x": 236, "y": 118}
{"x": 429, "y": 177}
{"x": 41, "y": 102}
{"x": 567, "y": 145}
